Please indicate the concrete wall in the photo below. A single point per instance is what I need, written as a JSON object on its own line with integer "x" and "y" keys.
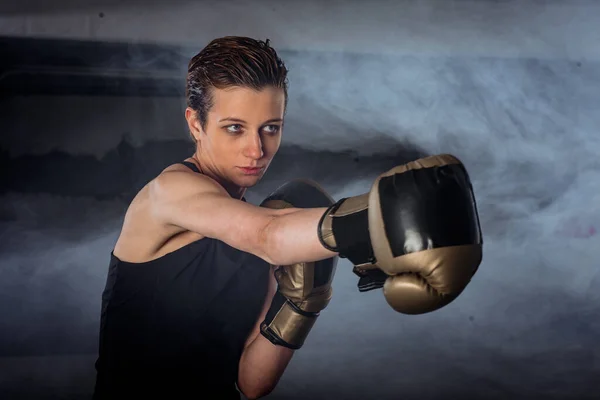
{"x": 536, "y": 29}
{"x": 511, "y": 87}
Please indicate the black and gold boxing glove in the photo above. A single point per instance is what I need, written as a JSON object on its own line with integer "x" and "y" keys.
{"x": 416, "y": 234}
{"x": 303, "y": 289}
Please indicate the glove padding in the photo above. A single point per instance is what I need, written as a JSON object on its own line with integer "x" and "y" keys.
{"x": 304, "y": 289}
{"x": 416, "y": 234}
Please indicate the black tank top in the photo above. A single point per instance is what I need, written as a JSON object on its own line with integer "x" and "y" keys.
{"x": 176, "y": 326}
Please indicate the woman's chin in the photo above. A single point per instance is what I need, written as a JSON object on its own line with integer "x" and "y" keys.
{"x": 248, "y": 180}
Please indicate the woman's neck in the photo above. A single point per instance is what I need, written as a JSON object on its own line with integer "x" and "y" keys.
{"x": 234, "y": 191}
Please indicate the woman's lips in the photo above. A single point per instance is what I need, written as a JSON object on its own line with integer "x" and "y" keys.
{"x": 251, "y": 170}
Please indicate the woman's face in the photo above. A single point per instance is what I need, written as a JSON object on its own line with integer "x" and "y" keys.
{"x": 242, "y": 133}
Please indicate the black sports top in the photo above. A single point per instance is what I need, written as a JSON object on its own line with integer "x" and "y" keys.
{"x": 176, "y": 326}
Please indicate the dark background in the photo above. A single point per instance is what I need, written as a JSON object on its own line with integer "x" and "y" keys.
{"x": 91, "y": 108}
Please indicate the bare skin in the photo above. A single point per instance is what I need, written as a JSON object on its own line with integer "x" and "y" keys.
{"x": 179, "y": 207}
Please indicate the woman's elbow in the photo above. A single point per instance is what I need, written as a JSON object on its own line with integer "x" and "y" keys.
{"x": 256, "y": 391}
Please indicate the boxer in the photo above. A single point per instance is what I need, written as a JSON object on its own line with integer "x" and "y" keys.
{"x": 210, "y": 296}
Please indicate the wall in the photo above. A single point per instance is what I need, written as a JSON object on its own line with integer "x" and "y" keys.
{"x": 539, "y": 29}
{"x": 512, "y": 88}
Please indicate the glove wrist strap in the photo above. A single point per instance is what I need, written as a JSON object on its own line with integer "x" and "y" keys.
{"x": 344, "y": 228}
{"x": 370, "y": 279}
{"x": 287, "y": 325}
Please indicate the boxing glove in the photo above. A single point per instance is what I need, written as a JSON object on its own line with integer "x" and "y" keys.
{"x": 416, "y": 234}
{"x": 303, "y": 289}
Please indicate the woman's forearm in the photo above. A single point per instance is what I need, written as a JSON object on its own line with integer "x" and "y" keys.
{"x": 292, "y": 237}
{"x": 261, "y": 366}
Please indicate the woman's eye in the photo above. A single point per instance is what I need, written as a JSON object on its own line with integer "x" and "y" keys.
{"x": 272, "y": 128}
{"x": 234, "y": 128}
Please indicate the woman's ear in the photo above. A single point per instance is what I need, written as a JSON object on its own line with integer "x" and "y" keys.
{"x": 194, "y": 124}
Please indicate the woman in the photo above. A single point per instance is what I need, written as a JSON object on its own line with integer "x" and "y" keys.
{"x": 190, "y": 279}
{"x": 192, "y": 306}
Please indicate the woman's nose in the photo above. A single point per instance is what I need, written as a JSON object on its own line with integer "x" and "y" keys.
{"x": 254, "y": 148}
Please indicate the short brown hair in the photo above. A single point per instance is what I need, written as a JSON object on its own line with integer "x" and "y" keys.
{"x": 232, "y": 61}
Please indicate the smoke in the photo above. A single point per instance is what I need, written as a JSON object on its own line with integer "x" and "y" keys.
{"x": 525, "y": 127}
